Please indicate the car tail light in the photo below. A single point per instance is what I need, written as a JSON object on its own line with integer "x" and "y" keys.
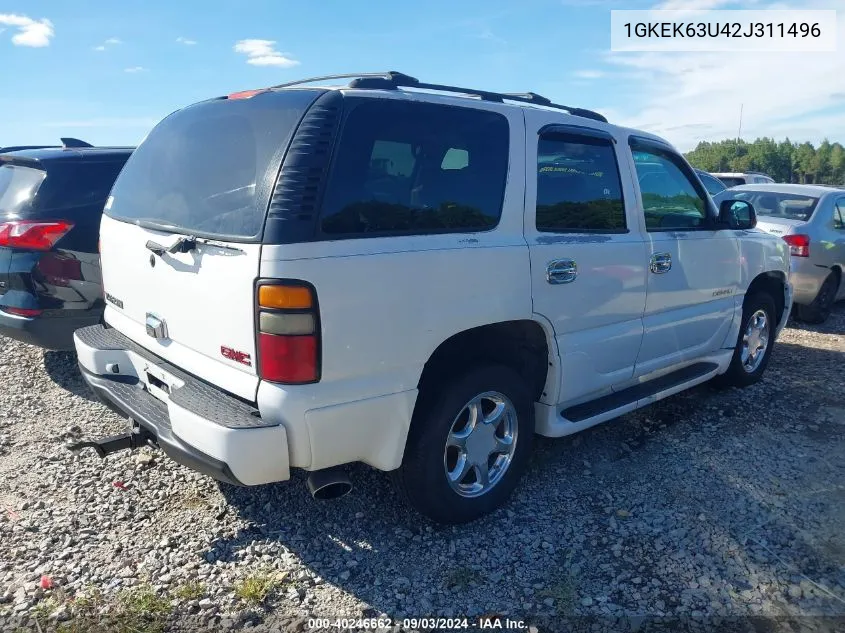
{"x": 24, "y": 312}
{"x": 33, "y": 235}
{"x": 288, "y": 333}
{"x": 799, "y": 245}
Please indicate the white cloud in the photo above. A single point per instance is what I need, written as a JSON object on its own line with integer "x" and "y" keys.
{"x": 135, "y": 69}
{"x": 589, "y": 74}
{"x": 113, "y": 40}
{"x": 263, "y": 53}
{"x": 688, "y": 97}
{"x": 99, "y": 48}
{"x": 33, "y": 33}
{"x": 186, "y": 41}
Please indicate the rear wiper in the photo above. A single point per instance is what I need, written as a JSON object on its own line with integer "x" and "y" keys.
{"x": 185, "y": 245}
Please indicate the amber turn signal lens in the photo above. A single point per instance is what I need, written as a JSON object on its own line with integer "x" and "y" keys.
{"x": 285, "y": 297}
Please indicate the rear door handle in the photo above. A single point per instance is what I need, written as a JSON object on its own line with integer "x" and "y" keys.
{"x": 661, "y": 263}
{"x": 561, "y": 271}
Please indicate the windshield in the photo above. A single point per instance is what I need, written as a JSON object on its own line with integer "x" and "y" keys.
{"x": 18, "y": 185}
{"x": 777, "y": 205}
{"x": 208, "y": 169}
{"x": 732, "y": 181}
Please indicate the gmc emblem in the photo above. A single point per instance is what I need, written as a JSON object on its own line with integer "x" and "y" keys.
{"x": 233, "y": 354}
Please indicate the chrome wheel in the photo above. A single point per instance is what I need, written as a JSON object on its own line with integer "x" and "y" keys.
{"x": 480, "y": 445}
{"x": 755, "y": 341}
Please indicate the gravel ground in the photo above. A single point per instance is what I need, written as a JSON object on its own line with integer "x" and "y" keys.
{"x": 709, "y": 504}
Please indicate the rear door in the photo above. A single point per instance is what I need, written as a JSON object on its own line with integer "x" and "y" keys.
{"x": 588, "y": 257}
{"x": 693, "y": 267}
{"x": 206, "y": 172}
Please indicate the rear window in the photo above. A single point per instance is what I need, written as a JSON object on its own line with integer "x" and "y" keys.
{"x": 208, "y": 169}
{"x": 411, "y": 168}
{"x": 732, "y": 181}
{"x": 18, "y": 185}
{"x": 777, "y": 205}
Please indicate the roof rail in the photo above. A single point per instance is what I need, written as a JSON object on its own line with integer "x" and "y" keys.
{"x": 391, "y": 79}
{"x": 15, "y": 148}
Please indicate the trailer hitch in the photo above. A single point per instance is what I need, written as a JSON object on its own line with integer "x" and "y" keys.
{"x": 130, "y": 440}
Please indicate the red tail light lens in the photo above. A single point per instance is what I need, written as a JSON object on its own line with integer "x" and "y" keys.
{"x": 288, "y": 359}
{"x": 288, "y": 333}
{"x": 799, "y": 245}
{"x": 33, "y": 235}
{"x": 24, "y": 312}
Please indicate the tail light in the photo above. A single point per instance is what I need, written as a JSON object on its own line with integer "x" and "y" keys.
{"x": 288, "y": 333}
{"x": 33, "y": 235}
{"x": 23, "y": 312}
{"x": 799, "y": 245}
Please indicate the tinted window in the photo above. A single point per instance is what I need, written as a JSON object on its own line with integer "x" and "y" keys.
{"x": 403, "y": 167}
{"x": 783, "y": 205}
{"x": 731, "y": 181}
{"x": 670, "y": 199}
{"x": 205, "y": 169}
{"x": 18, "y": 185}
{"x": 578, "y": 185}
{"x": 710, "y": 183}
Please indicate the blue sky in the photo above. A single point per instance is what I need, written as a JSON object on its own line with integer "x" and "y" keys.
{"x": 106, "y": 71}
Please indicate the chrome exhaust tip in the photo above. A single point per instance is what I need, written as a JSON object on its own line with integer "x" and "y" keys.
{"x": 331, "y": 483}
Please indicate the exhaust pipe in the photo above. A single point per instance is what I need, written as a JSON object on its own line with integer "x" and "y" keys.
{"x": 330, "y": 483}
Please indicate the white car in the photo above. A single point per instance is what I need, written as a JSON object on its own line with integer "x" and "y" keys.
{"x": 416, "y": 277}
{"x": 735, "y": 179}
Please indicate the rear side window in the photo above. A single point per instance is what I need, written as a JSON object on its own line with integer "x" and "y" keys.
{"x": 208, "y": 169}
{"x": 18, "y": 185}
{"x": 413, "y": 168}
{"x": 712, "y": 185}
{"x": 578, "y": 185}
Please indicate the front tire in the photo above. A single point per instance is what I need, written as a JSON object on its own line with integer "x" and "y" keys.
{"x": 754, "y": 345}
{"x": 819, "y": 310}
{"x": 468, "y": 445}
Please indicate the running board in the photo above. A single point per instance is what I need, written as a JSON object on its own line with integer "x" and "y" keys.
{"x": 631, "y": 395}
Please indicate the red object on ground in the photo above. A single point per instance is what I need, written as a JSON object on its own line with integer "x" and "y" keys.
{"x": 119, "y": 484}
{"x": 46, "y": 582}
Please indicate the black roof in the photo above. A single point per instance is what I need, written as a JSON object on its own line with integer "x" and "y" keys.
{"x": 42, "y": 154}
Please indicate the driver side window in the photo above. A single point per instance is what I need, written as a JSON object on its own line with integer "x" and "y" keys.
{"x": 670, "y": 199}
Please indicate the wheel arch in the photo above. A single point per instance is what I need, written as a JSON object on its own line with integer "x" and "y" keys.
{"x": 774, "y": 283}
{"x": 526, "y": 345}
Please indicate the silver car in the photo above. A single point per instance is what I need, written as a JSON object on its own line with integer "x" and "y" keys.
{"x": 811, "y": 219}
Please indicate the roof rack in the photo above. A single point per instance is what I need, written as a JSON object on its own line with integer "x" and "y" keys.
{"x": 391, "y": 80}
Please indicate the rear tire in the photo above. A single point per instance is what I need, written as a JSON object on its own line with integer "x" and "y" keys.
{"x": 754, "y": 344}
{"x": 481, "y": 421}
{"x": 819, "y": 310}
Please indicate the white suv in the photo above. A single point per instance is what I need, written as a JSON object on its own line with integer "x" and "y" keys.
{"x": 734, "y": 179}
{"x": 413, "y": 276}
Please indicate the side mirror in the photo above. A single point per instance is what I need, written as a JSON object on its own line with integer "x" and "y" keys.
{"x": 737, "y": 214}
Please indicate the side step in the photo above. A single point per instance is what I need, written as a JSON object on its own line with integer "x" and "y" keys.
{"x": 587, "y": 410}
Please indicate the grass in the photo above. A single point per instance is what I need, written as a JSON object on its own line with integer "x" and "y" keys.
{"x": 460, "y": 578}
{"x": 133, "y": 610}
{"x": 255, "y": 588}
{"x": 190, "y": 591}
{"x": 563, "y": 585}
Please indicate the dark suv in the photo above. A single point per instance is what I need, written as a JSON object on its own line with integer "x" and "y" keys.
{"x": 51, "y": 201}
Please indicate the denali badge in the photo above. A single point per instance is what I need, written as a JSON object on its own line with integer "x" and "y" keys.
{"x": 114, "y": 300}
{"x": 156, "y": 327}
{"x": 239, "y": 357}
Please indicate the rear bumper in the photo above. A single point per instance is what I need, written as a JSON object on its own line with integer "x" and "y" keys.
{"x": 195, "y": 424}
{"x": 806, "y": 278}
{"x": 55, "y": 332}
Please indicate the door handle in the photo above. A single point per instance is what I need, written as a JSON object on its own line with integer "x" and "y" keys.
{"x": 661, "y": 263}
{"x": 561, "y": 271}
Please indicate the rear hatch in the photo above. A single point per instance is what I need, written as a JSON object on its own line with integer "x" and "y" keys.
{"x": 181, "y": 234}
{"x": 19, "y": 182}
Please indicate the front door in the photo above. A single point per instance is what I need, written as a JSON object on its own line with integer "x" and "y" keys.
{"x": 694, "y": 267}
{"x": 588, "y": 255}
